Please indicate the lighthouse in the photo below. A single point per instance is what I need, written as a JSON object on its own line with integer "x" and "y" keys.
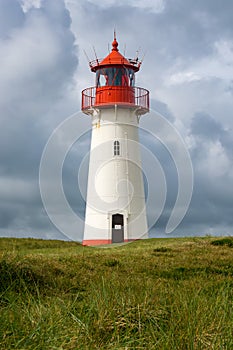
{"x": 115, "y": 203}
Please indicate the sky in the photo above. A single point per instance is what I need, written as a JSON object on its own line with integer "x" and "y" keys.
{"x": 187, "y": 51}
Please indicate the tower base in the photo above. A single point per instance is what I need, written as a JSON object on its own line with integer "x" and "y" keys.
{"x": 96, "y": 242}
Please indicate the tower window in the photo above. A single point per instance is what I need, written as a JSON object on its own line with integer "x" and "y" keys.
{"x": 116, "y": 148}
{"x": 115, "y": 76}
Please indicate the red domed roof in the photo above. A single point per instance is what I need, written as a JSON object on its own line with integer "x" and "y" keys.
{"x": 115, "y": 58}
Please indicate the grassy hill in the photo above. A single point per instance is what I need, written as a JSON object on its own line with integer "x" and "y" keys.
{"x": 152, "y": 294}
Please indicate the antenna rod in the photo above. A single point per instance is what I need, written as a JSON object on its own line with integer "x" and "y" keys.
{"x": 124, "y": 49}
{"x": 88, "y": 59}
{"x": 137, "y": 52}
{"x": 143, "y": 57}
{"x": 95, "y": 55}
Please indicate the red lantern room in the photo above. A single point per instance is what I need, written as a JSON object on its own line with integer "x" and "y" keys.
{"x": 115, "y": 84}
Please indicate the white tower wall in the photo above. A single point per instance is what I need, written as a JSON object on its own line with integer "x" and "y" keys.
{"x": 115, "y": 182}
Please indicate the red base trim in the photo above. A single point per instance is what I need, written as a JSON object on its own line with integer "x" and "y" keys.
{"x": 91, "y": 242}
{"x": 96, "y": 241}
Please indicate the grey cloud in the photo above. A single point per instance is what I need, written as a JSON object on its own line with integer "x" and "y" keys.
{"x": 229, "y": 88}
{"x": 57, "y": 12}
{"x": 7, "y": 215}
{"x": 36, "y": 77}
{"x": 212, "y": 202}
{"x": 11, "y": 17}
{"x": 184, "y": 29}
{"x": 207, "y": 128}
{"x": 162, "y": 108}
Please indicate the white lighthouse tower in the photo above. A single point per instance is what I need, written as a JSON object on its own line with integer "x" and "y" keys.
{"x": 115, "y": 205}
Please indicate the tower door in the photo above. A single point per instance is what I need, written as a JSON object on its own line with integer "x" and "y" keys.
{"x": 117, "y": 228}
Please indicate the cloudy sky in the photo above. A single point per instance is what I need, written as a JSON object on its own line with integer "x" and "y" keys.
{"x": 188, "y": 68}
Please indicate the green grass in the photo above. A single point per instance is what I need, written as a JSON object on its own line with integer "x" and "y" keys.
{"x": 151, "y": 294}
{"x": 228, "y": 241}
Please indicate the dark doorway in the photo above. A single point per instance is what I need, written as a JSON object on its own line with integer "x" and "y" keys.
{"x": 117, "y": 228}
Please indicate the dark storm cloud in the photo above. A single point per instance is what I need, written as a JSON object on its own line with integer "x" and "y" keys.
{"x": 182, "y": 29}
{"x": 205, "y": 127}
{"x": 212, "y": 202}
{"x": 189, "y": 28}
{"x": 39, "y": 61}
{"x": 11, "y": 16}
{"x": 162, "y": 108}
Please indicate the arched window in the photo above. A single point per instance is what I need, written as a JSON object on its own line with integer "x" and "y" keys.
{"x": 116, "y": 148}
